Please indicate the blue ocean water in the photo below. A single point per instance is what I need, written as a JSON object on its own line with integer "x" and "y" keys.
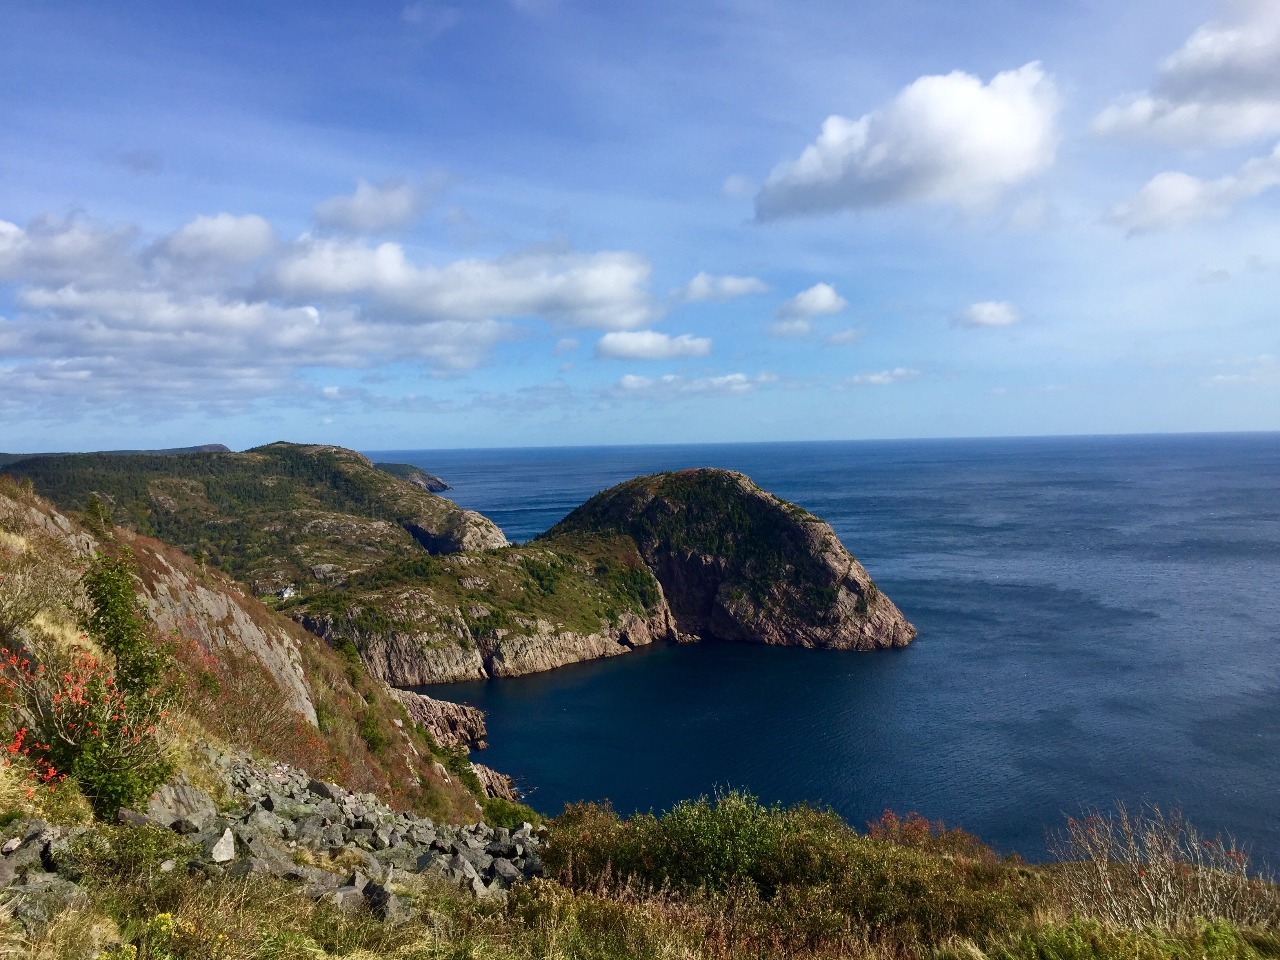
{"x": 1099, "y": 619}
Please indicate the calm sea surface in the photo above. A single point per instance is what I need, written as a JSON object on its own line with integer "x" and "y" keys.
{"x": 1099, "y": 619}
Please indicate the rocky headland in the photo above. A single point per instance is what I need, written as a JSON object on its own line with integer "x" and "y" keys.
{"x": 738, "y": 563}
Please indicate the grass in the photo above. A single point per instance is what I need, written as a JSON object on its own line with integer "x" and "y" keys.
{"x": 722, "y": 878}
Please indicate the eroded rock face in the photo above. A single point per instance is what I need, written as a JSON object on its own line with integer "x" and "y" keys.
{"x": 444, "y": 650}
{"x": 738, "y": 563}
{"x": 211, "y": 610}
{"x": 452, "y": 724}
{"x": 539, "y": 645}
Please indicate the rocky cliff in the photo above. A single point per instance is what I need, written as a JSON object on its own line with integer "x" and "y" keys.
{"x": 738, "y": 563}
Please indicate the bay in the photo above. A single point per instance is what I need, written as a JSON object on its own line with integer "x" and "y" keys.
{"x": 1099, "y": 620}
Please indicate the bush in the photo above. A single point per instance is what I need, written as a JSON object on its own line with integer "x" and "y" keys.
{"x": 507, "y": 813}
{"x": 811, "y": 871}
{"x": 76, "y": 714}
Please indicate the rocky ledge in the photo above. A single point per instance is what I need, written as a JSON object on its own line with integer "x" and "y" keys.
{"x": 347, "y": 848}
{"x": 738, "y": 563}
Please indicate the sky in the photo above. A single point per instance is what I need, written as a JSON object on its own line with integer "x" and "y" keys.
{"x": 554, "y": 222}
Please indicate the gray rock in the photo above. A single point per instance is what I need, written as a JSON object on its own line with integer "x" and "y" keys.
{"x": 179, "y": 800}
{"x": 462, "y": 867}
{"x": 8, "y": 873}
{"x": 11, "y": 845}
{"x": 329, "y": 791}
{"x": 386, "y": 906}
{"x": 222, "y": 850}
{"x": 344, "y": 898}
{"x": 506, "y": 870}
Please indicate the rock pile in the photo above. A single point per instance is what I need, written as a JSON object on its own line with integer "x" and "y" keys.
{"x": 345, "y": 847}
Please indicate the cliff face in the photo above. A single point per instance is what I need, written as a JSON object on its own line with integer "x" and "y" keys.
{"x": 738, "y": 563}
{"x": 416, "y": 638}
{"x": 211, "y": 610}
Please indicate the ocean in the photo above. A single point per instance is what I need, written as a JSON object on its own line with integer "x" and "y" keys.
{"x": 1099, "y": 620}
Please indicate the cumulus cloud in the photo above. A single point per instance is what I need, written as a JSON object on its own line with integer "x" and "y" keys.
{"x": 989, "y": 313}
{"x": 1172, "y": 199}
{"x": 650, "y": 345}
{"x": 373, "y": 207}
{"x": 1221, "y": 87}
{"x": 104, "y": 317}
{"x": 223, "y": 237}
{"x": 820, "y": 300}
{"x": 672, "y": 386}
{"x": 706, "y": 286}
{"x": 49, "y": 250}
{"x": 606, "y": 291}
{"x": 883, "y": 378}
{"x": 948, "y": 139}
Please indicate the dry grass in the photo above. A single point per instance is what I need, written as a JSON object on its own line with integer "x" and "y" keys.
{"x": 1155, "y": 869}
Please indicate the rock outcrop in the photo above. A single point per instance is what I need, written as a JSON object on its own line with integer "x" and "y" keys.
{"x": 452, "y": 724}
{"x": 738, "y": 563}
{"x": 208, "y": 609}
{"x": 344, "y": 847}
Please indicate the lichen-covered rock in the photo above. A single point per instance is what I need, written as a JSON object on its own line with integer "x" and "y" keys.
{"x": 738, "y": 563}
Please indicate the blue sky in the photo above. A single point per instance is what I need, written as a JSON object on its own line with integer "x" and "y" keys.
{"x": 527, "y": 222}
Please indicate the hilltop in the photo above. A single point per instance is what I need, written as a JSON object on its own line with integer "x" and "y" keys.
{"x": 282, "y": 518}
{"x": 738, "y": 563}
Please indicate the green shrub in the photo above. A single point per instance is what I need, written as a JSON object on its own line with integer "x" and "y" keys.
{"x": 507, "y": 813}
{"x": 810, "y": 867}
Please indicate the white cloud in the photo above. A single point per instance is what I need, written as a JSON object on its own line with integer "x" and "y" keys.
{"x": 796, "y": 329}
{"x": 60, "y": 251}
{"x": 707, "y": 286}
{"x": 182, "y": 322}
{"x": 820, "y": 300}
{"x": 844, "y": 338}
{"x": 1222, "y": 86}
{"x": 949, "y": 139}
{"x": 565, "y": 345}
{"x": 1171, "y": 200}
{"x": 883, "y": 378}
{"x": 222, "y": 237}
{"x": 596, "y": 290}
{"x": 373, "y": 208}
{"x": 671, "y": 386}
{"x": 989, "y": 313}
{"x": 650, "y": 345}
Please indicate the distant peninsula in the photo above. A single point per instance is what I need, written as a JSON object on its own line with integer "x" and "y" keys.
{"x": 368, "y": 557}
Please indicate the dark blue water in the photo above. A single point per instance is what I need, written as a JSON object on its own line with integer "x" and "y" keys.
{"x": 1099, "y": 619}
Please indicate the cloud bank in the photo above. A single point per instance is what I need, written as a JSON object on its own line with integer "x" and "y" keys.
{"x": 1221, "y": 87}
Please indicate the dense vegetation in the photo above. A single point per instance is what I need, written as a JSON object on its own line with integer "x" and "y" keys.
{"x": 715, "y": 513}
{"x": 574, "y": 582}
{"x": 276, "y": 515}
